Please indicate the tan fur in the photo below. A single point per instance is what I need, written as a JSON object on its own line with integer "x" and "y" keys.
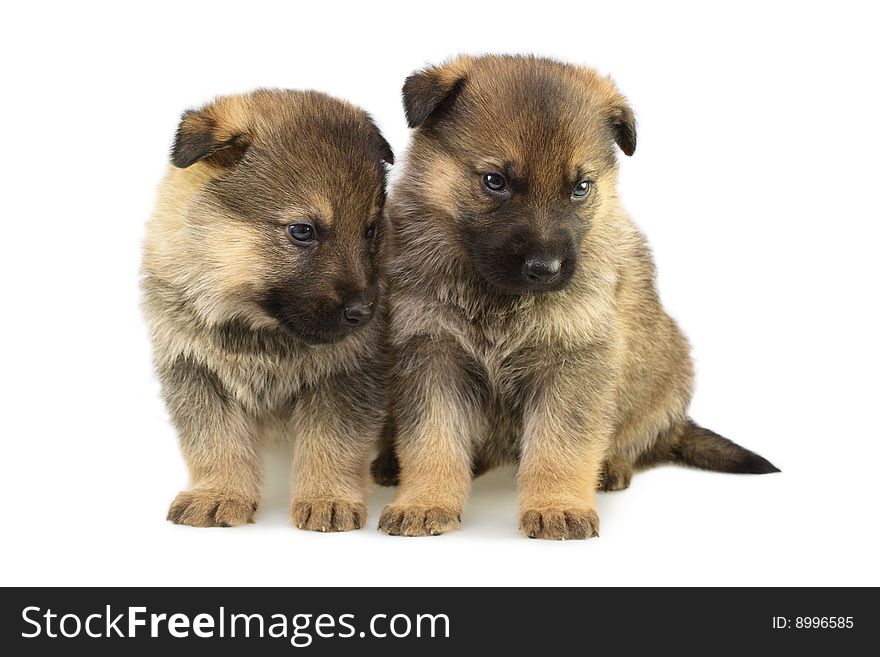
{"x": 217, "y": 252}
{"x": 578, "y": 384}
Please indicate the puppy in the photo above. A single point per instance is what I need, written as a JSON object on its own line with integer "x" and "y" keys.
{"x": 260, "y": 279}
{"x": 525, "y": 324}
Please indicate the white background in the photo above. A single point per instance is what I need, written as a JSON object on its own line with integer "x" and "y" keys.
{"x": 755, "y": 180}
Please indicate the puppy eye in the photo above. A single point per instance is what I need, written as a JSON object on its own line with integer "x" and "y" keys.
{"x": 494, "y": 182}
{"x": 301, "y": 232}
{"x": 582, "y": 189}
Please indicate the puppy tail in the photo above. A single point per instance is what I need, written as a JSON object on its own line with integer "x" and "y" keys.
{"x": 699, "y": 447}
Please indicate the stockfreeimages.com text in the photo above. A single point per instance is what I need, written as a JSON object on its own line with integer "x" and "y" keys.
{"x": 300, "y": 629}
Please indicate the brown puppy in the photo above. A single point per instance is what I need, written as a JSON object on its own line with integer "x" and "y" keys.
{"x": 261, "y": 274}
{"x": 524, "y": 317}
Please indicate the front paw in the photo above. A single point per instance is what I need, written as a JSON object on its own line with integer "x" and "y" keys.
{"x": 559, "y": 523}
{"x": 206, "y": 508}
{"x": 412, "y": 520}
{"x": 328, "y": 515}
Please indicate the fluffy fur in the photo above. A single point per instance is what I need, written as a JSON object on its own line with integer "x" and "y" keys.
{"x": 571, "y": 369}
{"x": 253, "y": 331}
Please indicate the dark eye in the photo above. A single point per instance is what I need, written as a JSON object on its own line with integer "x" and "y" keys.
{"x": 301, "y": 232}
{"x": 494, "y": 182}
{"x": 582, "y": 189}
{"x": 371, "y": 232}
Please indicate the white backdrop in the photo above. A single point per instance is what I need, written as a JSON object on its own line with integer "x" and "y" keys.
{"x": 755, "y": 180}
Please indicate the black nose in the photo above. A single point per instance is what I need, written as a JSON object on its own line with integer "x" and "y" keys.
{"x": 542, "y": 270}
{"x": 357, "y": 312}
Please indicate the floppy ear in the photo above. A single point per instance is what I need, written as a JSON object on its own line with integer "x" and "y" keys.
{"x": 379, "y": 143}
{"x": 207, "y": 134}
{"x": 623, "y": 126}
{"x": 385, "y": 151}
{"x": 426, "y": 91}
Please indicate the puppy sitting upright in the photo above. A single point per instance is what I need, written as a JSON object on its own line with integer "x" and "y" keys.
{"x": 260, "y": 280}
{"x": 525, "y": 322}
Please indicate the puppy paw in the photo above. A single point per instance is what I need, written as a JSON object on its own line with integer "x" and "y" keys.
{"x": 328, "y": 515}
{"x": 385, "y": 468}
{"x": 205, "y": 508}
{"x": 409, "y": 520}
{"x": 615, "y": 476}
{"x": 559, "y": 523}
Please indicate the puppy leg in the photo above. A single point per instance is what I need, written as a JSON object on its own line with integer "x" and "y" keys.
{"x": 335, "y": 428}
{"x": 438, "y": 419}
{"x": 565, "y": 437}
{"x": 220, "y": 447}
{"x": 616, "y": 474}
{"x": 385, "y": 467}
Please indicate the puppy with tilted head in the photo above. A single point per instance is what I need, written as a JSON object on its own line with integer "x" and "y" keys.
{"x": 525, "y": 323}
{"x": 263, "y": 296}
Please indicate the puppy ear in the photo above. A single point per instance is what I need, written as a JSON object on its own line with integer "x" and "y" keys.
{"x": 385, "y": 151}
{"x": 378, "y": 143}
{"x": 426, "y": 91}
{"x": 623, "y": 126}
{"x": 209, "y": 134}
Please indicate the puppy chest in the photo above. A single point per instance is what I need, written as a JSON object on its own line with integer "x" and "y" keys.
{"x": 260, "y": 386}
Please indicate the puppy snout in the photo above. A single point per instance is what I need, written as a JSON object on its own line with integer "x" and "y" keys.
{"x": 357, "y": 312}
{"x": 542, "y": 269}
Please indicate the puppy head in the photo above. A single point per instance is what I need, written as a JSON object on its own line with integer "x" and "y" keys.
{"x": 516, "y": 153}
{"x": 285, "y": 222}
